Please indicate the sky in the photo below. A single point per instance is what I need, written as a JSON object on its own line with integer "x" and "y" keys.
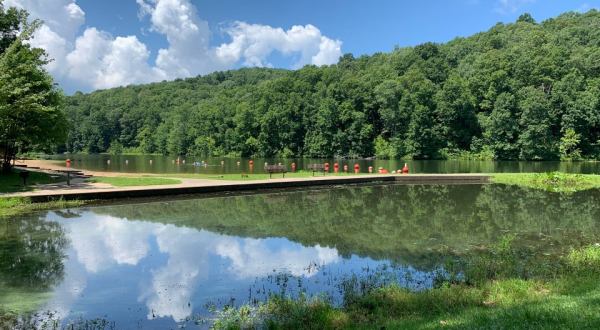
{"x": 103, "y": 44}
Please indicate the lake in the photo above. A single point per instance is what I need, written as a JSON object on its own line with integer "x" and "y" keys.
{"x": 165, "y": 164}
{"x": 170, "y": 262}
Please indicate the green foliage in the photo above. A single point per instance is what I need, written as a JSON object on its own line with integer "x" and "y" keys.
{"x": 553, "y": 181}
{"x": 30, "y": 104}
{"x": 569, "y": 145}
{"x": 116, "y": 148}
{"x": 129, "y": 182}
{"x": 384, "y": 149}
{"x": 10, "y": 207}
{"x": 512, "y": 92}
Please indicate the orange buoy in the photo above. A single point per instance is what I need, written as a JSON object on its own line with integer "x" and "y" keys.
{"x": 326, "y": 167}
{"x": 356, "y": 168}
{"x": 336, "y": 167}
{"x": 405, "y": 169}
{"x": 68, "y": 163}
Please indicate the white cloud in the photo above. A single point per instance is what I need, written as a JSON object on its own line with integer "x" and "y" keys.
{"x": 254, "y": 43}
{"x": 114, "y": 241}
{"x": 103, "y": 61}
{"x": 511, "y": 6}
{"x": 95, "y": 59}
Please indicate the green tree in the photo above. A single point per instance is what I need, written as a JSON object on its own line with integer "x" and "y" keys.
{"x": 535, "y": 140}
{"x": 569, "y": 145}
{"x": 30, "y": 103}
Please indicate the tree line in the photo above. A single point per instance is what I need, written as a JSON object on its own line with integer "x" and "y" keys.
{"x": 524, "y": 90}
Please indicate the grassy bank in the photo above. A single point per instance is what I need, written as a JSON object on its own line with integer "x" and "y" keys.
{"x": 18, "y": 206}
{"x": 559, "y": 293}
{"x": 254, "y": 176}
{"x": 134, "y": 181}
{"x": 12, "y": 182}
{"x": 554, "y": 181}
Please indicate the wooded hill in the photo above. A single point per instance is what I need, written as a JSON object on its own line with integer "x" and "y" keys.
{"x": 524, "y": 90}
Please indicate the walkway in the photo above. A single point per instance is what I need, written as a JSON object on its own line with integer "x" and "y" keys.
{"x": 86, "y": 191}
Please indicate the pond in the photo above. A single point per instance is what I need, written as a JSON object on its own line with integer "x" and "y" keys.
{"x": 165, "y": 164}
{"x": 167, "y": 263}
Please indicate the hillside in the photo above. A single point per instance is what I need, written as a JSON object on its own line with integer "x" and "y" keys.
{"x": 525, "y": 90}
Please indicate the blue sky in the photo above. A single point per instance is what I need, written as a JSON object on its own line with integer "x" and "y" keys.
{"x": 102, "y": 44}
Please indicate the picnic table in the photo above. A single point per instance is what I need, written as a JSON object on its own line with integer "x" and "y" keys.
{"x": 69, "y": 172}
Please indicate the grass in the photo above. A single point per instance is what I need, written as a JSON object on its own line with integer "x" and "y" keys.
{"x": 554, "y": 181}
{"x": 254, "y": 176}
{"x": 12, "y": 182}
{"x": 18, "y": 206}
{"x": 565, "y": 297}
{"x": 134, "y": 181}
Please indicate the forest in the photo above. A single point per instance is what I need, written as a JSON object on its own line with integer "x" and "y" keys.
{"x": 524, "y": 90}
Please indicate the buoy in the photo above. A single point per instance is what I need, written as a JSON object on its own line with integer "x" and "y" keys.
{"x": 405, "y": 169}
{"x": 393, "y": 172}
{"x": 68, "y": 163}
{"x": 238, "y": 163}
{"x": 336, "y": 167}
{"x": 293, "y": 167}
{"x": 251, "y": 162}
{"x": 356, "y": 168}
{"x": 384, "y": 171}
{"x": 108, "y": 162}
{"x": 126, "y": 162}
{"x": 150, "y": 161}
{"x": 380, "y": 170}
{"x": 327, "y": 167}
{"x": 183, "y": 162}
{"x": 345, "y": 168}
{"x": 370, "y": 169}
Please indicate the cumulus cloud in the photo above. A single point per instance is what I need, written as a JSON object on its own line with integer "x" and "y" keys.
{"x": 95, "y": 59}
{"x": 105, "y": 62}
{"x": 254, "y": 43}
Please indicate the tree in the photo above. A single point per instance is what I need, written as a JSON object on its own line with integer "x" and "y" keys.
{"x": 526, "y": 18}
{"x": 536, "y": 141}
{"x": 30, "y": 103}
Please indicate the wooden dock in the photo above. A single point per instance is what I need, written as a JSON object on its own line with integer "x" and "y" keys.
{"x": 221, "y": 186}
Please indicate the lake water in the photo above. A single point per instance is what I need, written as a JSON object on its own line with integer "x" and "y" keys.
{"x": 167, "y": 263}
{"x": 165, "y": 164}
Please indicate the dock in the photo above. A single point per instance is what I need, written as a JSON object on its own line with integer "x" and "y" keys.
{"x": 199, "y": 187}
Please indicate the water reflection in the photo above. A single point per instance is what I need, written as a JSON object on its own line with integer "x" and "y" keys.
{"x": 114, "y": 264}
{"x": 156, "y": 264}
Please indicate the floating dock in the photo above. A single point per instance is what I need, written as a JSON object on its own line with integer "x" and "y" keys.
{"x": 199, "y": 187}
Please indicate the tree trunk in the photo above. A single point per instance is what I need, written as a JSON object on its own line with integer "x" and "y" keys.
{"x": 9, "y": 155}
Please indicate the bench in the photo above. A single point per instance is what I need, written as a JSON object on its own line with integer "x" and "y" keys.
{"x": 316, "y": 168}
{"x": 275, "y": 169}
